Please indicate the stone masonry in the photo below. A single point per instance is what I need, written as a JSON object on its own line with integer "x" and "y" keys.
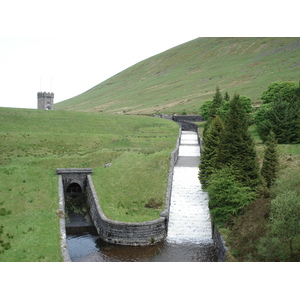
{"x": 45, "y": 100}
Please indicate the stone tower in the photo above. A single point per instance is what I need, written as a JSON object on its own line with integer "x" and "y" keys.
{"x": 45, "y": 100}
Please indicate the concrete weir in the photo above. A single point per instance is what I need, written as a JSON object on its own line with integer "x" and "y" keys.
{"x": 189, "y": 217}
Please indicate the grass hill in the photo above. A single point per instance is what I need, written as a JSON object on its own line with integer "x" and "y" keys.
{"x": 35, "y": 142}
{"x": 182, "y": 78}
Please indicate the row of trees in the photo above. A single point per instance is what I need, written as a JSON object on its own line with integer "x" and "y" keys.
{"x": 229, "y": 167}
{"x": 229, "y": 170}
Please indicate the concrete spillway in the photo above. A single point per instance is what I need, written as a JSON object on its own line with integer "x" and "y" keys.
{"x": 189, "y": 237}
{"x": 189, "y": 220}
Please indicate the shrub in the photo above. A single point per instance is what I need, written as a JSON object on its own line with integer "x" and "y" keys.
{"x": 270, "y": 163}
{"x": 227, "y": 196}
{"x": 279, "y": 244}
{"x": 205, "y": 109}
{"x": 282, "y": 89}
{"x": 283, "y": 118}
{"x": 280, "y": 112}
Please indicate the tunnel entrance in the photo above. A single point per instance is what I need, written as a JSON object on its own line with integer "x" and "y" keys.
{"x": 75, "y": 200}
{"x": 77, "y": 211}
{"x": 76, "y": 208}
{"x": 74, "y": 189}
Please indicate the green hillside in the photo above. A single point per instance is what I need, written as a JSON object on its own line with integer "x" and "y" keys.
{"x": 35, "y": 142}
{"x": 182, "y": 78}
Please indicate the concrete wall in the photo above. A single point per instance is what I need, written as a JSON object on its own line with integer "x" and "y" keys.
{"x": 190, "y": 118}
{"x": 74, "y": 175}
{"x": 187, "y": 118}
{"x": 62, "y": 220}
{"x": 123, "y": 233}
{"x": 220, "y": 246}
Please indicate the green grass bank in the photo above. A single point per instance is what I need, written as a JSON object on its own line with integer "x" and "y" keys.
{"x": 34, "y": 143}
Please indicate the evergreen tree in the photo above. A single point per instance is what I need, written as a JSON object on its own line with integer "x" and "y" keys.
{"x": 270, "y": 163}
{"x": 283, "y": 118}
{"x": 209, "y": 152}
{"x": 227, "y": 196}
{"x": 226, "y": 97}
{"x": 216, "y": 103}
{"x": 281, "y": 114}
{"x": 236, "y": 146}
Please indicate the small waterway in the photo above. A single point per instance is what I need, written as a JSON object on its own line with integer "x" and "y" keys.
{"x": 189, "y": 237}
{"x": 189, "y": 218}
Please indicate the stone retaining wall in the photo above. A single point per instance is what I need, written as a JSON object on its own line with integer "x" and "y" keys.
{"x": 188, "y": 118}
{"x": 219, "y": 243}
{"x": 62, "y": 221}
{"x": 123, "y": 233}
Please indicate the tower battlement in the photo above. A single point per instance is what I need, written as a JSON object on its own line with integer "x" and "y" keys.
{"x": 45, "y": 100}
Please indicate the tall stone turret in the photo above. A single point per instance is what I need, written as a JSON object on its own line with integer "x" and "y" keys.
{"x": 45, "y": 100}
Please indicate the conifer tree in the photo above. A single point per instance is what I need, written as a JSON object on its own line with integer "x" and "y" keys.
{"x": 236, "y": 146}
{"x": 216, "y": 103}
{"x": 283, "y": 118}
{"x": 209, "y": 152}
{"x": 226, "y": 97}
{"x": 270, "y": 163}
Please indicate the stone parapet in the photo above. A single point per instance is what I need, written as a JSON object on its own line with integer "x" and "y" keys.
{"x": 123, "y": 233}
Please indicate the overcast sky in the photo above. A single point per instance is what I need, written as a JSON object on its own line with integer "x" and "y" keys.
{"x": 67, "y": 47}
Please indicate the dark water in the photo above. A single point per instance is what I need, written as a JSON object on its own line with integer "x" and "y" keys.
{"x": 88, "y": 247}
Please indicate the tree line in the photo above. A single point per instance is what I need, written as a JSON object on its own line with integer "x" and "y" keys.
{"x": 229, "y": 168}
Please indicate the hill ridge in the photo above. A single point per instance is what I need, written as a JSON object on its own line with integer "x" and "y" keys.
{"x": 181, "y": 78}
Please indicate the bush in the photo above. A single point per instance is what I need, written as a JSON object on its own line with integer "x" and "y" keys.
{"x": 282, "y": 89}
{"x": 205, "y": 109}
{"x": 281, "y": 117}
{"x": 280, "y": 112}
{"x": 227, "y": 196}
{"x": 284, "y": 229}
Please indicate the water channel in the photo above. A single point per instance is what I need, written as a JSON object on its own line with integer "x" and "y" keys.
{"x": 189, "y": 237}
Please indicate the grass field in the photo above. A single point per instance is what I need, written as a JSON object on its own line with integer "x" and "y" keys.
{"x": 180, "y": 79}
{"x": 34, "y": 143}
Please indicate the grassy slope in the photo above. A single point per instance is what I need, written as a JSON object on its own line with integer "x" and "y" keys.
{"x": 34, "y": 143}
{"x": 181, "y": 78}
